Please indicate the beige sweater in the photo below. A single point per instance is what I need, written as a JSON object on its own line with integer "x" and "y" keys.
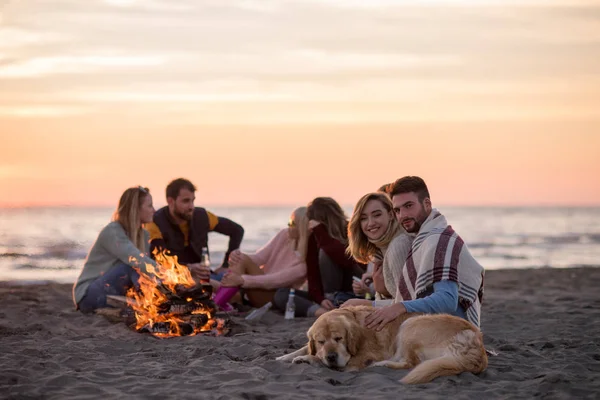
{"x": 394, "y": 256}
{"x": 112, "y": 247}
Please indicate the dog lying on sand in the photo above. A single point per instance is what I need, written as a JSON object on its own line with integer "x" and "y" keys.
{"x": 433, "y": 345}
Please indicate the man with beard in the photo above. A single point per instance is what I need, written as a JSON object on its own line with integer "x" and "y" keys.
{"x": 439, "y": 275}
{"x": 182, "y": 229}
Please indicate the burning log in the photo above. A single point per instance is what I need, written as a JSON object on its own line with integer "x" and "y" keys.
{"x": 170, "y": 303}
{"x": 184, "y": 294}
{"x": 168, "y": 329}
{"x": 198, "y": 292}
{"x": 186, "y": 327}
{"x": 118, "y": 301}
{"x": 187, "y": 308}
{"x": 199, "y": 320}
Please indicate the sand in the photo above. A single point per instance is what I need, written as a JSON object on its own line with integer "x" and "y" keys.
{"x": 544, "y": 323}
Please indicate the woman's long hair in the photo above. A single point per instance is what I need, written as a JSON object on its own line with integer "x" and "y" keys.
{"x": 128, "y": 214}
{"x": 300, "y": 244}
{"x": 359, "y": 245}
{"x": 328, "y": 212}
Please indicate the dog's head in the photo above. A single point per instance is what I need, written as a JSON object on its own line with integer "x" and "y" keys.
{"x": 335, "y": 337}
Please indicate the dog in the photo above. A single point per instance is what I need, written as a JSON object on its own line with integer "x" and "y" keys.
{"x": 433, "y": 345}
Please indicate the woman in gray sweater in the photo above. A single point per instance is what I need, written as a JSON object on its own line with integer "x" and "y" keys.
{"x": 121, "y": 245}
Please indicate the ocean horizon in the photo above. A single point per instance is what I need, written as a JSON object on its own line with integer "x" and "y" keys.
{"x": 51, "y": 243}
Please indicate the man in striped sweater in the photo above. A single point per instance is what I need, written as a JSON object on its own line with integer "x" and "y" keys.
{"x": 440, "y": 276}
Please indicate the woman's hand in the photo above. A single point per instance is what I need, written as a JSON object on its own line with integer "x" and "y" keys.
{"x": 384, "y": 315}
{"x": 232, "y": 279}
{"x": 356, "y": 302}
{"x": 312, "y": 224}
{"x": 359, "y": 288}
{"x": 236, "y": 257}
{"x": 362, "y": 287}
{"x": 327, "y": 304}
{"x": 378, "y": 279}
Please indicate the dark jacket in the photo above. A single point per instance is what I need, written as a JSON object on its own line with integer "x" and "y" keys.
{"x": 174, "y": 240}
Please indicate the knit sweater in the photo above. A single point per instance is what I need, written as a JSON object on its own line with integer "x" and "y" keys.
{"x": 394, "y": 256}
{"x": 282, "y": 266}
{"x": 112, "y": 247}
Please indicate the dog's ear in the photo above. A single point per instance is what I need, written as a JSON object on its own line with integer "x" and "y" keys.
{"x": 354, "y": 337}
{"x": 312, "y": 350}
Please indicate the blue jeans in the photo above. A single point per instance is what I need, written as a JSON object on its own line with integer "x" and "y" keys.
{"x": 115, "y": 281}
{"x": 340, "y": 298}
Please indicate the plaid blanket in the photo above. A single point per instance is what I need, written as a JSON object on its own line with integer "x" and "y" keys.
{"x": 438, "y": 253}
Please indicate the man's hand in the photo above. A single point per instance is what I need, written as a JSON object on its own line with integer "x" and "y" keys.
{"x": 327, "y": 304}
{"x": 382, "y": 316}
{"x": 199, "y": 271}
{"x": 232, "y": 279}
{"x": 356, "y": 302}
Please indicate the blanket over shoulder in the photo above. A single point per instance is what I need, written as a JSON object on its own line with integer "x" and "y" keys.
{"x": 438, "y": 253}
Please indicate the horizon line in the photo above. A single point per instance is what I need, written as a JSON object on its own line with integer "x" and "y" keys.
{"x": 293, "y": 206}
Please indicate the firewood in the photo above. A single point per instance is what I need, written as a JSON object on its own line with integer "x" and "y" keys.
{"x": 166, "y": 328}
{"x": 111, "y": 314}
{"x": 117, "y": 315}
{"x": 198, "y": 320}
{"x": 118, "y": 301}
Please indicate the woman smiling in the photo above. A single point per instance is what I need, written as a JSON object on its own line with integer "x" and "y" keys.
{"x": 374, "y": 235}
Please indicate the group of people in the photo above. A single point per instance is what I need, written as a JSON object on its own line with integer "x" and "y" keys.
{"x": 395, "y": 253}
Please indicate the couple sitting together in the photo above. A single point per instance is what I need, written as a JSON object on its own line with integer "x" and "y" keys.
{"x": 126, "y": 245}
{"x": 419, "y": 263}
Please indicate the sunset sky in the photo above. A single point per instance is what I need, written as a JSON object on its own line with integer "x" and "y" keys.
{"x": 274, "y": 102}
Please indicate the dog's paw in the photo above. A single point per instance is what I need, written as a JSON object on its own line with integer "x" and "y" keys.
{"x": 302, "y": 360}
{"x": 378, "y": 364}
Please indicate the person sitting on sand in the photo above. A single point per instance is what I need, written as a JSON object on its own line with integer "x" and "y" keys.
{"x": 375, "y": 236}
{"x": 183, "y": 229}
{"x": 329, "y": 270}
{"x": 278, "y": 264}
{"x": 440, "y": 275}
{"x": 121, "y": 245}
{"x": 366, "y": 285}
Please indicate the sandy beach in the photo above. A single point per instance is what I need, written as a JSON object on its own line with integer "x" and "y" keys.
{"x": 544, "y": 324}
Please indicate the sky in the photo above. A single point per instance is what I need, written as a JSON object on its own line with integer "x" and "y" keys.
{"x": 275, "y": 102}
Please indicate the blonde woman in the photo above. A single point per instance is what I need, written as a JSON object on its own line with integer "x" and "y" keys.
{"x": 120, "y": 246}
{"x": 278, "y": 264}
{"x": 374, "y": 234}
{"x": 329, "y": 269}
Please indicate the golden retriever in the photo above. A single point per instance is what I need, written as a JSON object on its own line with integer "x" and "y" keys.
{"x": 434, "y": 345}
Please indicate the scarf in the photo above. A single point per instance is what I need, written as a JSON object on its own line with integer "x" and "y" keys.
{"x": 381, "y": 244}
{"x": 438, "y": 253}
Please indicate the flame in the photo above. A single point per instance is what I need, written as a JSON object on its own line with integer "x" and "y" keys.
{"x": 149, "y": 302}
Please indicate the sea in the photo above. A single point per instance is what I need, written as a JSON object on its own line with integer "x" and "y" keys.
{"x": 51, "y": 244}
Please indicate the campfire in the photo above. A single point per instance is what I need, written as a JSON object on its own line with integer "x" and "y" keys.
{"x": 171, "y": 303}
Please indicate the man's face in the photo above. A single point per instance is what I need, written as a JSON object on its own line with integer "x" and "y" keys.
{"x": 410, "y": 212}
{"x": 183, "y": 206}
